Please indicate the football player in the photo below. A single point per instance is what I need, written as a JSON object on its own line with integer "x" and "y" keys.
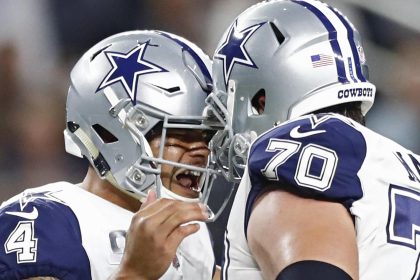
{"x": 321, "y": 196}
{"x": 134, "y": 112}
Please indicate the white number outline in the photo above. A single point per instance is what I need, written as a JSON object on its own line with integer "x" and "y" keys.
{"x": 24, "y": 254}
{"x": 323, "y": 182}
{"x": 415, "y": 229}
{"x": 392, "y": 237}
{"x": 287, "y": 148}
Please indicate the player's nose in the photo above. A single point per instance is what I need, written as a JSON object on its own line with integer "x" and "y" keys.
{"x": 199, "y": 151}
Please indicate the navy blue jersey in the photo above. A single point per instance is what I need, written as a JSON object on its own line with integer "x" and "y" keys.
{"x": 330, "y": 157}
{"x": 317, "y": 157}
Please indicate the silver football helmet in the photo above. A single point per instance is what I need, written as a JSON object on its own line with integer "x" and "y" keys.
{"x": 121, "y": 89}
{"x": 297, "y": 56}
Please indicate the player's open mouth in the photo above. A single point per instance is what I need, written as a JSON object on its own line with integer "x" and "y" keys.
{"x": 189, "y": 179}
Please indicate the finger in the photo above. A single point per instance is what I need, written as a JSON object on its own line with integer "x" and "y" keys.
{"x": 176, "y": 237}
{"x": 151, "y": 197}
{"x": 153, "y": 206}
{"x": 148, "y": 218}
{"x": 171, "y": 215}
{"x": 162, "y": 217}
{"x": 178, "y": 212}
{"x": 182, "y": 213}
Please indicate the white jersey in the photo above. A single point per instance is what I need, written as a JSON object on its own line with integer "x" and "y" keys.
{"x": 328, "y": 156}
{"x": 61, "y": 230}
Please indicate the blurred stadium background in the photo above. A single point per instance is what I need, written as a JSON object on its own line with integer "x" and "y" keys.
{"x": 41, "y": 40}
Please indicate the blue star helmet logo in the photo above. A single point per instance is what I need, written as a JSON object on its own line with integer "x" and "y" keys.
{"x": 127, "y": 67}
{"x": 233, "y": 51}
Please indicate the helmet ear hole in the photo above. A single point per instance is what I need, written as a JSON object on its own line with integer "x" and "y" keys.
{"x": 258, "y": 101}
{"x": 106, "y": 136}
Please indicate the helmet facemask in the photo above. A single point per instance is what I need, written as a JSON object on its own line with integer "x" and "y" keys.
{"x": 230, "y": 150}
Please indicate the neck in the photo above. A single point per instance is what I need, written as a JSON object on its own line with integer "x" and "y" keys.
{"x": 102, "y": 188}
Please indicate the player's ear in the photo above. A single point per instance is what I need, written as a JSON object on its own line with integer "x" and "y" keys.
{"x": 258, "y": 101}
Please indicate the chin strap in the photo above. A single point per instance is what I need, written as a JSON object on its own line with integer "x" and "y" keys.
{"x": 97, "y": 159}
{"x": 99, "y": 162}
{"x": 166, "y": 193}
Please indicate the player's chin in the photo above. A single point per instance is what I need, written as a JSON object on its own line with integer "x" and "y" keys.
{"x": 184, "y": 191}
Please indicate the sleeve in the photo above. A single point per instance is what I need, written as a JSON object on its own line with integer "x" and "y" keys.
{"x": 42, "y": 239}
{"x": 316, "y": 157}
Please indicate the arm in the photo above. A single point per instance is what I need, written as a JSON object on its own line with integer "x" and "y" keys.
{"x": 216, "y": 275}
{"x": 154, "y": 235}
{"x": 285, "y": 229}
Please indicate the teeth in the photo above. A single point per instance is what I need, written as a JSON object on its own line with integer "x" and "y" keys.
{"x": 192, "y": 172}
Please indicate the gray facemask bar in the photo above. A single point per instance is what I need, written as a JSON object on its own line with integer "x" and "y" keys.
{"x": 231, "y": 154}
{"x": 210, "y": 173}
{"x": 145, "y": 172}
{"x": 226, "y": 146}
{"x": 217, "y": 117}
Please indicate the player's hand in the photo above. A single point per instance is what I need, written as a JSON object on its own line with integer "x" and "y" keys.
{"x": 151, "y": 197}
{"x": 155, "y": 233}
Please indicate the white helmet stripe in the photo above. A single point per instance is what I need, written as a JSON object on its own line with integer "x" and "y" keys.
{"x": 339, "y": 40}
{"x": 342, "y": 38}
{"x": 350, "y": 31}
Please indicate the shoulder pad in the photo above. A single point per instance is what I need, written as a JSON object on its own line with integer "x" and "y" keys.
{"x": 317, "y": 156}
